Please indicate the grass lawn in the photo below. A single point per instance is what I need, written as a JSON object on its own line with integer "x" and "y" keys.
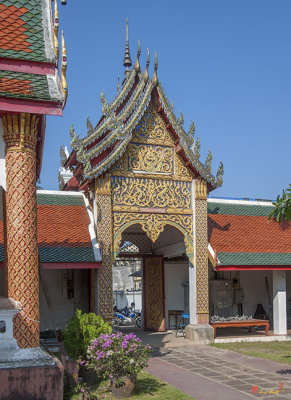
{"x": 148, "y": 387}
{"x": 274, "y": 351}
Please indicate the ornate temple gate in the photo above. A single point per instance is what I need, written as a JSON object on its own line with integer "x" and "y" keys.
{"x": 150, "y": 186}
{"x": 147, "y": 171}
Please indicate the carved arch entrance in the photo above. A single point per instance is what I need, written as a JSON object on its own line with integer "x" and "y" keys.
{"x": 153, "y": 225}
{"x": 153, "y": 265}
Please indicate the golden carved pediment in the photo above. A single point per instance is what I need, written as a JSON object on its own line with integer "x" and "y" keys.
{"x": 152, "y": 129}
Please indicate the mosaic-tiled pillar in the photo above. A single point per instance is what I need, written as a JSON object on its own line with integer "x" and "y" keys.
{"x": 201, "y": 251}
{"x": 104, "y": 235}
{"x": 22, "y": 253}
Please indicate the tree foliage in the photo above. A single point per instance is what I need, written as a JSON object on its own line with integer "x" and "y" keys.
{"x": 282, "y": 205}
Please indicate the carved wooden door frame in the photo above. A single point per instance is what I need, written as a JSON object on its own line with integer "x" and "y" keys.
{"x": 162, "y": 327}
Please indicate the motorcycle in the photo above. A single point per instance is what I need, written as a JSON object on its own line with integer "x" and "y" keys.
{"x": 127, "y": 316}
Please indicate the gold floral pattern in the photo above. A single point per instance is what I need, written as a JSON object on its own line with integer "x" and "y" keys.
{"x": 156, "y": 159}
{"x": 201, "y": 260}
{"x": 151, "y": 193}
{"x": 152, "y": 129}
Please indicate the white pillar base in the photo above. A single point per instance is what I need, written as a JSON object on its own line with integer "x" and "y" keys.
{"x": 279, "y": 303}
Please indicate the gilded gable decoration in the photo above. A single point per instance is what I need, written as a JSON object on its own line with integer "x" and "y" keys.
{"x": 140, "y": 192}
{"x": 155, "y": 159}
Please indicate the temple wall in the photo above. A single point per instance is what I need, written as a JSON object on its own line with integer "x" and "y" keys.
{"x": 56, "y": 308}
{"x": 2, "y": 157}
{"x": 254, "y": 289}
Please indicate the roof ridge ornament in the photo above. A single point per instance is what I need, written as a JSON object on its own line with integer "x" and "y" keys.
{"x": 105, "y": 106}
{"x": 64, "y": 69}
{"x": 56, "y": 30}
{"x": 208, "y": 162}
{"x": 220, "y": 172}
{"x": 89, "y": 127}
{"x": 191, "y": 131}
{"x": 137, "y": 64}
{"x": 197, "y": 147}
{"x": 155, "y": 81}
{"x": 127, "y": 60}
{"x": 75, "y": 142}
{"x": 146, "y": 71}
{"x": 181, "y": 120}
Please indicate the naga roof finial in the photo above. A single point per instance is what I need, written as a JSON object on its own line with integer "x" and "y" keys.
{"x": 56, "y": 29}
{"x": 155, "y": 81}
{"x": 137, "y": 65}
{"x": 64, "y": 68}
{"x": 127, "y": 60}
{"x": 146, "y": 71}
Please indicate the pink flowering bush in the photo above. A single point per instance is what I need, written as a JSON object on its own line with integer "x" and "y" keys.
{"x": 117, "y": 356}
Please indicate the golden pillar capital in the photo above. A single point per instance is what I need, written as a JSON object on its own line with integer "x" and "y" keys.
{"x": 20, "y": 131}
{"x": 200, "y": 191}
{"x": 103, "y": 185}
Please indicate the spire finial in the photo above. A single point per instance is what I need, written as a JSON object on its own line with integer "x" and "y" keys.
{"x": 146, "y": 72}
{"x": 136, "y": 65}
{"x": 127, "y": 60}
{"x": 155, "y": 81}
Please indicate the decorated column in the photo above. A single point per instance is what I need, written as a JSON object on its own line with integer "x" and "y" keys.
{"x": 201, "y": 251}
{"x": 22, "y": 253}
{"x": 104, "y": 234}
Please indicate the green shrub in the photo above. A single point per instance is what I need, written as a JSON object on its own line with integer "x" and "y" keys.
{"x": 81, "y": 330}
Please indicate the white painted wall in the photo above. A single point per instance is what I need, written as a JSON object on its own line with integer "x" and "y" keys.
{"x": 61, "y": 308}
{"x": 2, "y": 157}
{"x": 254, "y": 288}
{"x": 176, "y": 274}
{"x": 279, "y": 303}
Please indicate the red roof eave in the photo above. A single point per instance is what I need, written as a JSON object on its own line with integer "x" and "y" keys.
{"x": 253, "y": 268}
{"x": 8, "y": 104}
{"x": 80, "y": 265}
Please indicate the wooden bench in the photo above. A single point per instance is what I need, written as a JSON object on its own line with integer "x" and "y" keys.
{"x": 249, "y": 323}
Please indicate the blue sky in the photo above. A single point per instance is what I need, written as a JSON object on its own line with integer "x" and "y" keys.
{"x": 225, "y": 64}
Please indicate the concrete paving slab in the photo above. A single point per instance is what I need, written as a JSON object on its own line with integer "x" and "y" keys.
{"x": 200, "y": 388}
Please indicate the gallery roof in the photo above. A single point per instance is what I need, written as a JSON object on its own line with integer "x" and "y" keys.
{"x": 63, "y": 228}
{"x": 243, "y": 237}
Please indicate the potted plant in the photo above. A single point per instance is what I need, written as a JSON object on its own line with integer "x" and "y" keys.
{"x": 118, "y": 357}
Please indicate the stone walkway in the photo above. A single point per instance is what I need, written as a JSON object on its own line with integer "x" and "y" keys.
{"x": 208, "y": 373}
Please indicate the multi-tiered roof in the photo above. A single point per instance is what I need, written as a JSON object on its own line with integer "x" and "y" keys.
{"x": 29, "y": 53}
{"x": 105, "y": 144}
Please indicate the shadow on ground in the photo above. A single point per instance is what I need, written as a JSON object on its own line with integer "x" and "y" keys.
{"x": 148, "y": 386}
{"x": 284, "y": 372}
